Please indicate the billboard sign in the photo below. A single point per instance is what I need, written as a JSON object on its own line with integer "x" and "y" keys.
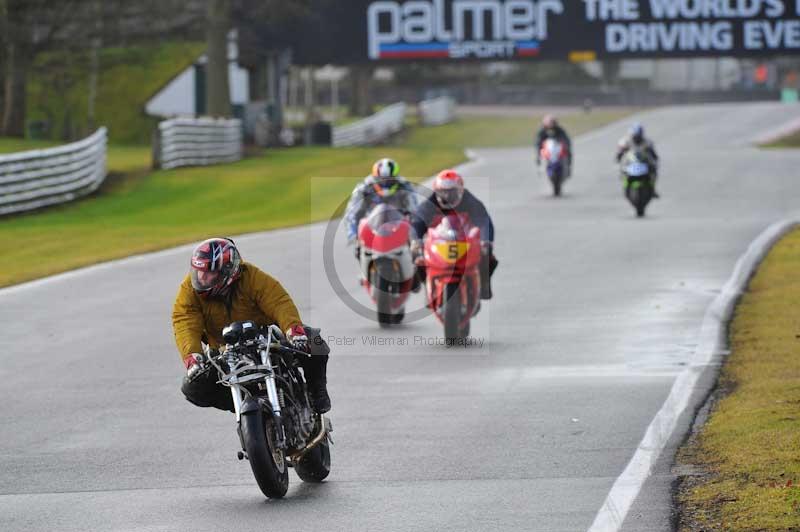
{"x": 423, "y": 30}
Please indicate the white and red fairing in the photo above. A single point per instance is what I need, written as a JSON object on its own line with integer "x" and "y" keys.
{"x": 384, "y": 235}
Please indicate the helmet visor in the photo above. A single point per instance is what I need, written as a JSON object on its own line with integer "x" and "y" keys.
{"x": 205, "y": 280}
{"x": 450, "y": 197}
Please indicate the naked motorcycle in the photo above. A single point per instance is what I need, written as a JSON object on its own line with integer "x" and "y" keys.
{"x": 277, "y": 427}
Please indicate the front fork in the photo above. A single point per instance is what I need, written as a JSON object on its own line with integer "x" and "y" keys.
{"x": 242, "y": 405}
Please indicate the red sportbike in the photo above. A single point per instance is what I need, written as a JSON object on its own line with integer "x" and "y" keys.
{"x": 387, "y": 268}
{"x": 452, "y": 257}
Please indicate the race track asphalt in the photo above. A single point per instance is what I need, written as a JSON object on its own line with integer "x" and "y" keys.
{"x": 595, "y": 313}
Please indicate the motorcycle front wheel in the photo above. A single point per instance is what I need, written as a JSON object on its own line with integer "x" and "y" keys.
{"x": 452, "y": 312}
{"x": 267, "y": 462}
{"x": 556, "y": 180}
{"x": 381, "y": 286}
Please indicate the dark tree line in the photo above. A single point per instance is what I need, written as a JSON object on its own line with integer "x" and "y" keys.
{"x": 29, "y": 28}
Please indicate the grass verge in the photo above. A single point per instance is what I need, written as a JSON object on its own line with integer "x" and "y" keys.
{"x": 789, "y": 141}
{"x": 123, "y": 160}
{"x": 271, "y": 190}
{"x": 748, "y": 453}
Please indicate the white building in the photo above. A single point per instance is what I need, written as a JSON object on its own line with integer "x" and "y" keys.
{"x": 179, "y": 96}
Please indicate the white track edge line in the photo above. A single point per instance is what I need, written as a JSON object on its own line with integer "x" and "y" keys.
{"x": 713, "y": 342}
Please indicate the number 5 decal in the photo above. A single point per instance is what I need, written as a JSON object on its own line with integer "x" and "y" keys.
{"x": 452, "y": 251}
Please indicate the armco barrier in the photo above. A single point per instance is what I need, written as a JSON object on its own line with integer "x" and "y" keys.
{"x": 197, "y": 142}
{"x": 373, "y": 129}
{"x": 38, "y": 178}
{"x": 436, "y": 111}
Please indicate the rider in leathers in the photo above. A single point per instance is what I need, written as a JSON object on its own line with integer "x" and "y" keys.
{"x": 636, "y": 140}
{"x": 384, "y": 185}
{"x": 552, "y": 129}
{"x": 220, "y": 289}
{"x": 449, "y": 196}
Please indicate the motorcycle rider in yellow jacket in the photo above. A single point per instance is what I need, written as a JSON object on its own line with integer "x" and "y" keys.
{"x": 219, "y": 289}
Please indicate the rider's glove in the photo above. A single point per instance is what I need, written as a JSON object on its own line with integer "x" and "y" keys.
{"x": 195, "y": 366}
{"x": 297, "y": 337}
{"x": 486, "y": 248}
{"x": 357, "y": 252}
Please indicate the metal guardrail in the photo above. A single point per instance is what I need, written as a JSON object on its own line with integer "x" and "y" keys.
{"x": 373, "y": 129}
{"x": 197, "y": 142}
{"x": 437, "y": 111}
{"x": 39, "y": 178}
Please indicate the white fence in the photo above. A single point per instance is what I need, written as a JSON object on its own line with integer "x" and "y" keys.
{"x": 437, "y": 111}
{"x": 38, "y": 178}
{"x": 197, "y": 142}
{"x": 373, "y": 129}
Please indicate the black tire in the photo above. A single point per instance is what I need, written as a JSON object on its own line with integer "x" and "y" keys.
{"x": 315, "y": 466}
{"x": 271, "y": 471}
{"x": 452, "y": 312}
{"x": 645, "y": 194}
{"x": 383, "y": 297}
{"x": 397, "y": 319}
{"x": 556, "y": 180}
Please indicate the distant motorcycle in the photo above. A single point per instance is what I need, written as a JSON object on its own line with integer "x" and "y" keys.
{"x": 276, "y": 424}
{"x": 387, "y": 267}
{"x": 452, "y": 256}
{"x": 556, "y": 157}
{"x": 637, "y": 175}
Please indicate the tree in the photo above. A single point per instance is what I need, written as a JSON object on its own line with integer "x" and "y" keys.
{"x": 31, "y": 27}
{"x": 218, "y": 25}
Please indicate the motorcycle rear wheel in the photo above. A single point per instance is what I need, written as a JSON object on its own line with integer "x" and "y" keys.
{"x": 268, "y": 464}
{"x": 315, "y": 466}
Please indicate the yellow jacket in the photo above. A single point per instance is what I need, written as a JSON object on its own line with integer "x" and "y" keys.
{"x": 257, "y": 297}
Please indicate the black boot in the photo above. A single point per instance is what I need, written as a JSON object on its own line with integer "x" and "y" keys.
{"x": 316, "y": 368}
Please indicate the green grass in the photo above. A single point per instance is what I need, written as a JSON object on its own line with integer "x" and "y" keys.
{"x": 12, "y": 145}
{"x": 128, "y": 78}
{"x": 750, "y": 447}
{"x": 145, "y": 212}
{"x": 122, "y": 159}
{"x": 789, "y": 141}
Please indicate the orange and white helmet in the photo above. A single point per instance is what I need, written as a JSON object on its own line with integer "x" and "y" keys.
{"x": 449, "y": 188}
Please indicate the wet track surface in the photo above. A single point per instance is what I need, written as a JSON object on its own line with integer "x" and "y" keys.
{"x": 595, "y": 313}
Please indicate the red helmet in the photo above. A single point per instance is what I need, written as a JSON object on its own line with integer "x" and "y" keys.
{"x": 449, "y": 188}
{"x": 215, "y": 266}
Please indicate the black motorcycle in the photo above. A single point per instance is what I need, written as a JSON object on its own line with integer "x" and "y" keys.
{"x": 277, "y": 426}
